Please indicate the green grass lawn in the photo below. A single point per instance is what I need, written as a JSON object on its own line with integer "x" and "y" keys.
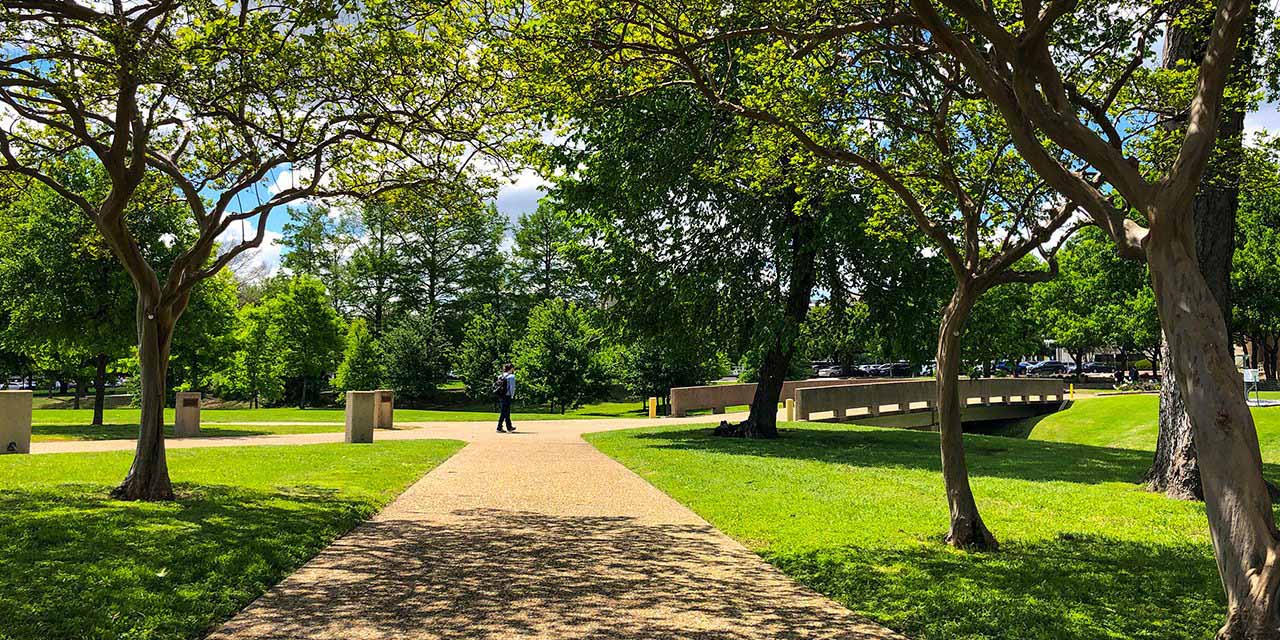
{"x": 1130, "y": 422}
{"x": 73, "y": 424}
{"x": 56, "y": 432}
{"x": 75, "y": 564}
{"x": 858, "y": 513}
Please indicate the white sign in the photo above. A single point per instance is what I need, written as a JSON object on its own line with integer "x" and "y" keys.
{"x": 1251, "y": 375}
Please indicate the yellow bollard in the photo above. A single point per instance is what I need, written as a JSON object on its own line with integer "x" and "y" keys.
{"x": 1072, "y": 388}
{"x": 653, "y": 407}
{"x": 791, "y": 410}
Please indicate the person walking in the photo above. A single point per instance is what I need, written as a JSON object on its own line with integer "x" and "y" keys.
{"x": 505, "y": 390}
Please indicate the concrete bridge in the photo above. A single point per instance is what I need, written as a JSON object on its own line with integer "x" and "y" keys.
{"x": 912, "y": 403}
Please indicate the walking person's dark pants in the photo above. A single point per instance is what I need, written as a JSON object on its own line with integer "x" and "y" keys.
{"x": 504, "y": 414}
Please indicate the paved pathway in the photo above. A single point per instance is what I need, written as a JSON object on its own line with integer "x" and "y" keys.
{"x": 530, "y": 535}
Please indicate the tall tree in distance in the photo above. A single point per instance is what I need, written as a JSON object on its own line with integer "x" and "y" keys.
{"x": 486, "y": 346}
{"x": 223, "y": 100}
{"x": 544, "y": 243}
{"x": 313, "y": 331}
{"x": 316, "y": 242}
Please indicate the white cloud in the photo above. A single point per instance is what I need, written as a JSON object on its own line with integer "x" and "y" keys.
{"x": 284, "y": 180}
{"x": 521, "y": 195}
{"x": 1266, "y": 118}
{"x": 265, "y": 256}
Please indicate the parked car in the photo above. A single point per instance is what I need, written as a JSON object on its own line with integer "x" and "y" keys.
{"x": 1097, "y": 367}
{"x": 839, "y": 371}
{"x": 1047, "y": 368}
{"x": 1009, "y": 367}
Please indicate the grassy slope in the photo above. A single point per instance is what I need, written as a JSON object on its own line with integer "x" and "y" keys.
{"x": 73, "y": 424}
{"x": 74, "y": 564}
{"x": 1130, "y": 422}
{"x": 859, "y": 513}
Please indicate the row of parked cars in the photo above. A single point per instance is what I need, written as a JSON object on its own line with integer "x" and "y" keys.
{"x": 900, "y": 369}
{"x": 903, "y": 369}
{"x": 1046, "y": 368}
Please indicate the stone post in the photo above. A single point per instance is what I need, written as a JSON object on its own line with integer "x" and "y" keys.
{"x": 653, "y": 406}
{"x": 791, "y": 410}
{"x": 186, "y": 414}
{"x": 15, "y": 422}
{"x": 360, "y": 416}
{"x": 384, "y": 414}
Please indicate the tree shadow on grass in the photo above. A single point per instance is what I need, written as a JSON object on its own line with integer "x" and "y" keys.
{"x": 899, "y": 448}
{"x": 130, "y": 431}
{"x": 1070, "y": 588}
{"x": 75, "y": 564}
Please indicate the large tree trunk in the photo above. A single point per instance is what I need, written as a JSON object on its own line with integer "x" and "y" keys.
{"x": 967, "y": 529}
{"x": 1175, "y": 471}
{"x": 1270, "y": 351}
{"x": 1215, "y": 208}
{"x": 762, "y": 422}
{"x": 148, "y": 478}
{"x": 99, "y": 388}
{"x": 1245, "y": 540}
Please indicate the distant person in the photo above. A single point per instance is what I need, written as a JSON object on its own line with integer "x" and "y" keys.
{"x": 504, "y": 388}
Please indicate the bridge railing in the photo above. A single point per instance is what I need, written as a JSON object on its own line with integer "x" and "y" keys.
{"x": 718, "y": 396}
{"x": 879, "y": 398}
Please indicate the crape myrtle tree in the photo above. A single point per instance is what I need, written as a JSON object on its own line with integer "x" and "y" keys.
{"x": 1064, "y": 96}
{"x": 1067, "y": 80}
{"x": 349, "y": 98}
{"x": 910, "y": 123}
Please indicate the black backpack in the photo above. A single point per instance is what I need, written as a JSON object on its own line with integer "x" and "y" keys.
{"x": 500, "y": 387}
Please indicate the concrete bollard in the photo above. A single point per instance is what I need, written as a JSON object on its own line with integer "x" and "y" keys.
{"x": 15, "y": 422}
{"x": 384, "y": 414}
{"x": 360, "y": 416}
{"x": 791, "y": 410}
{"x": 653, "y": 406}
{"x": 186, "y": 414}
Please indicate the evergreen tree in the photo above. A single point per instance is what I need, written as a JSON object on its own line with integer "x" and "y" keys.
{"x": 486, "y": 346}
{"x": 416, "y": 353}
{"x": 361, "y": 367}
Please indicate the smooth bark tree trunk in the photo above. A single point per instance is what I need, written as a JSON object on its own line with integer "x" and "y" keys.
{"x": 148, "y": 477}
{"x": 99, "y": 388}
{"x": 80, "y": 385}
{"x": 1241, "y": 523}
{"x": 967, "y": 529}
{"x": 762, "y": 421}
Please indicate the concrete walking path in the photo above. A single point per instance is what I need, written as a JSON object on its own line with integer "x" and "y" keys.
{"x": 536, "y": 534}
